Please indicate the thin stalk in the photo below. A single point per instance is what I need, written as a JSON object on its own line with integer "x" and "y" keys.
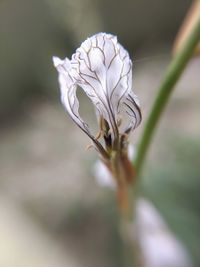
{"x": 173, "y": 73}
{"x": 132, "y": 248}
{"x": 126, "y": 205}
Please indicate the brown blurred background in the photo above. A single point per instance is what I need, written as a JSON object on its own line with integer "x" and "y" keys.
{"x": 52, "y": 211}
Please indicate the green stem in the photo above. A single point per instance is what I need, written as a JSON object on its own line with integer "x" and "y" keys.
{"x": 173, "y": 73}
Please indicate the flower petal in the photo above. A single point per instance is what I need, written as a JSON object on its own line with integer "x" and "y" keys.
{"x": 68, "y": 92}
{"x": 103, "y": 69}
{"x": 69, "y": 99}
{"x": 131, "y": 105}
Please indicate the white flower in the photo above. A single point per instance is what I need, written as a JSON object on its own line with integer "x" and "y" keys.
{"x": 103, "y": 69}
{"x": 159, "y": 246}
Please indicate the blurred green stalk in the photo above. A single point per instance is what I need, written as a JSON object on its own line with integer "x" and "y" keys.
{"x": 172, "y": 75}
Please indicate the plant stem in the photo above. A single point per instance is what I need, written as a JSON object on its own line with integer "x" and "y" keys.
{"x": 172, "y": 75}
{"x": 128, "y": 229}
{"x": 121, "y": 168}
{"x": 131, "y": 242}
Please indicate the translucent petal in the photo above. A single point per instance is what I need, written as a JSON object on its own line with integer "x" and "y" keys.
{"x": 103, "y": 69}
{"x": 68, "y": 92}
{"x": 131, "y": 105}
{"x": 68, "y": 87}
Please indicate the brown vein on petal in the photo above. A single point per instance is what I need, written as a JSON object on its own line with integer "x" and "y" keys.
{"x": 121, "y": 77}
{"x": 133, "y": 114}
{"x": 111, "y": 61}
{"x": 85, "y": 129}
{"x": 136, "y": 107}
{"x": 97, "y": 95}
{"x": 102, "y": 53}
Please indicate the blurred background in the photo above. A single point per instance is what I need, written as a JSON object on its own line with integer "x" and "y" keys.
{"x": 52, "y": 211}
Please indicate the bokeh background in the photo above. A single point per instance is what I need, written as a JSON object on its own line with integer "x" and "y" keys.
{"x": 52, "y": 211}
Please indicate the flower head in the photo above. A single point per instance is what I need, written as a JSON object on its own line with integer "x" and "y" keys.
{"x": 103, "y": 69}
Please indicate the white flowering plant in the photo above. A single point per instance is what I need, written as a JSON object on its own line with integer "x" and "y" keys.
{"x": 102, "y": 68}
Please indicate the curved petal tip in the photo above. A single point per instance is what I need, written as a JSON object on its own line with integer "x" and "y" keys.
{"x": 57, "y": 61}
